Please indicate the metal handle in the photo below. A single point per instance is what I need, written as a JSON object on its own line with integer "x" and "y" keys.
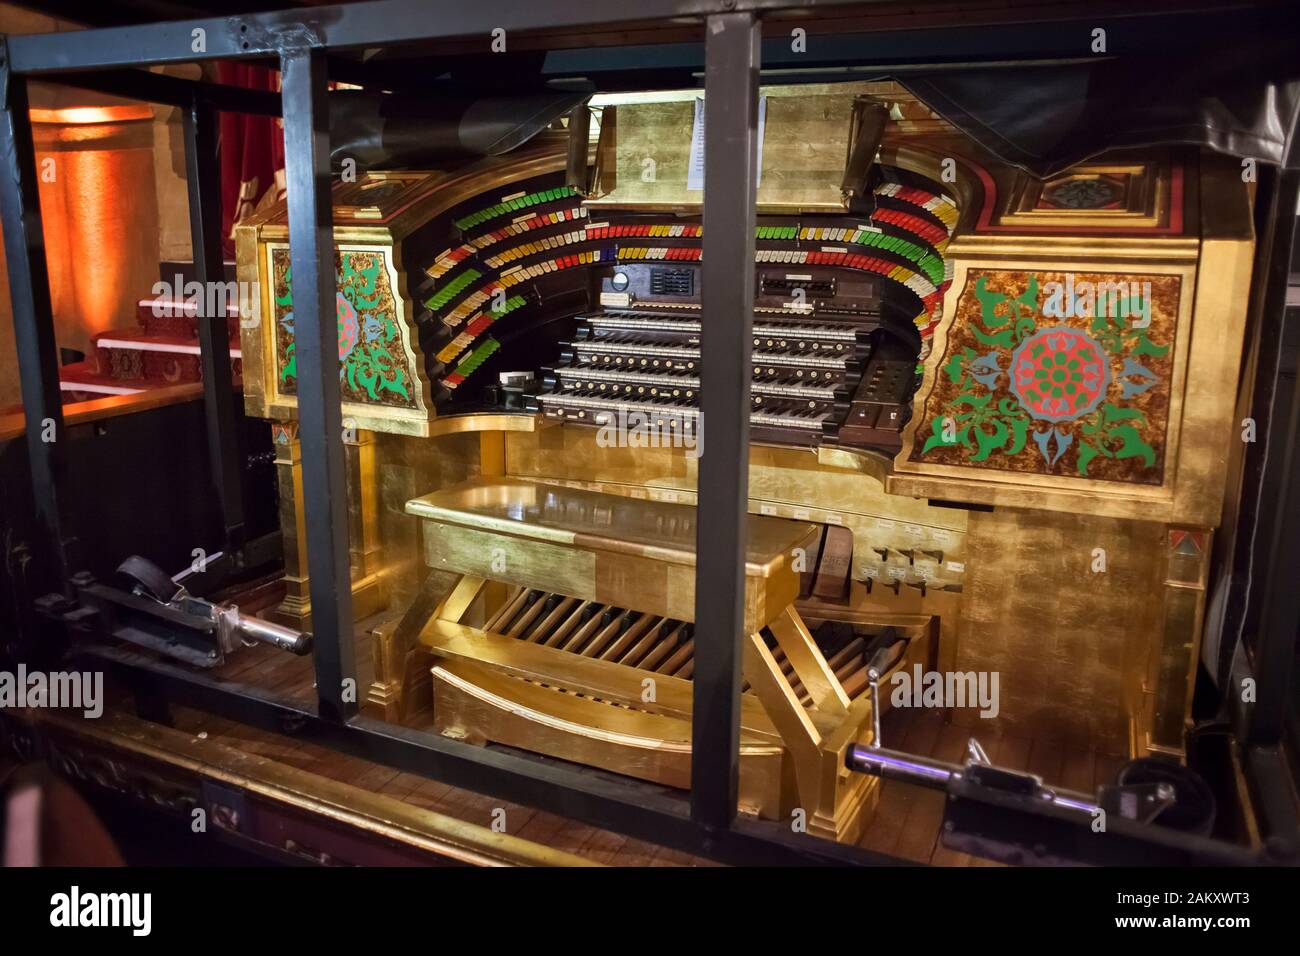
{"x": 877, "y": 667}
{"x": 285, "y": 638}
{"x": 937, "y": 774}
{"x": 235, "y": 627}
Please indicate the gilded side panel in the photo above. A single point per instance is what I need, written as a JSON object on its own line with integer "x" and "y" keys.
{"x": 248, "y": 271}
{"x": 530, "y": 563}
{"x": 407, "y": 468}
{"x": 1209, "y": 425}
{"x": 1066, "y": 626}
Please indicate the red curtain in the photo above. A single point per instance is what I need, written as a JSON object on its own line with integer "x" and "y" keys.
{"x": 252, "y": 152}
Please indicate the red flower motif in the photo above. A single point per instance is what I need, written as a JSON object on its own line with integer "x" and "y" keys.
{"x": 1059, "y": 374}
{"x": 349, "y": 325}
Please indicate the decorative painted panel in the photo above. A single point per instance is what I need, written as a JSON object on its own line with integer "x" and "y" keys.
{"x": 1096, "y": 198}
{"x": 375, "y": 366}
{"x": 1055, "y": 374}
{"x": 1104, "y": 190}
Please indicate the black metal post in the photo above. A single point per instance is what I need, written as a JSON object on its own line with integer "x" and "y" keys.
{"x": 324, "y": 484}
{"x": 1279, "y": 619}
{"x": 203, "y": 176}
{"x": 29, "y": 291}
{"x": 727, "y": 302}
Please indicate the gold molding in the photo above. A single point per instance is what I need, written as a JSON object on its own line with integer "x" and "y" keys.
{"x": 1145, "y": 204}
{"x": 376, "y": 417}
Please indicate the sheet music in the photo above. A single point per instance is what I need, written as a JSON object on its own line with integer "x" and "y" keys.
{"x": 695, "y": 169}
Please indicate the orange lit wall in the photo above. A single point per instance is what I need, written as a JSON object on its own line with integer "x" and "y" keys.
{"x": 100, "y": 214}
{"x": 19, "y": 20}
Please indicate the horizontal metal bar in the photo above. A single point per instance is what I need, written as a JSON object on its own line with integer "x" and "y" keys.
{"x": 592, "y": 798}
{"x": 172, "y": 90}
{"x": 881, "y": 51}
{"x": 385, "y": 22}
{"x": 349, "y": 26}
{"x": 921, "y": 771}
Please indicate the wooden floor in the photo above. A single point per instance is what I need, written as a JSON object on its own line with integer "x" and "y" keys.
{"x": 906, "y": 823}
{"x": 292, "y": 678}
{"x": 601, "y": 846}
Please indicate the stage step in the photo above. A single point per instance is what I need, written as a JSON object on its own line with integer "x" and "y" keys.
{"x": 177, "y": 318}
{"x": 162, "y": 350}
{"x": 158, "y": 359}
{"x": 82, "y": 382}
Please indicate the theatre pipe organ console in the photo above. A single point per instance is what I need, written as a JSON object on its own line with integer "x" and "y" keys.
{"x": 991, "y": 418}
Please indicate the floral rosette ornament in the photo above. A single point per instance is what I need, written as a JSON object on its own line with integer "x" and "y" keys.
{"x": 1059, "y": 374}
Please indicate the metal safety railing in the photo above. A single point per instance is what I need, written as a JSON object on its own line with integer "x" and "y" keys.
{"x": 302, "y": 41}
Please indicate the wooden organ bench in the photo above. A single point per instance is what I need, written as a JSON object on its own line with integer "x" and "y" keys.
{"x": 587, "y": 653}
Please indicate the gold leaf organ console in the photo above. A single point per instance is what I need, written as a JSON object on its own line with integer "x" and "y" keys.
{"x": 588, "y": 654}
{"x": 967, "y": 384}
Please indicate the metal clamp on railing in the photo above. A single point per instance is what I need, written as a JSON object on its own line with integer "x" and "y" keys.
{"x": 938, "y": 775}
{"x": 234, "y": 625}
{"x": 160, "y": 614}
{"x": 1015, "y": 817}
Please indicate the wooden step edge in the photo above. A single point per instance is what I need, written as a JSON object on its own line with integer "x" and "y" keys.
{"x": 162, "y": 344}
{"x": 180, "y": 308}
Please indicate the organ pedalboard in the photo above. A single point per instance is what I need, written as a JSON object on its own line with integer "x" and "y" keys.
{"x": 826, "y": 366}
